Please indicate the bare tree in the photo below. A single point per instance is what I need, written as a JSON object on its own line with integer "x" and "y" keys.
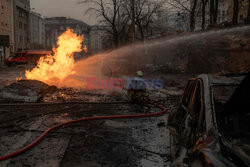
{"x": 216, "y": 5}
{"x": 203, "y": 11}
{"x": 144, "y": 14}
{"x": 213, "y": 11}
{"x": 189, "y": 6}
{"x": 112, "y": 14}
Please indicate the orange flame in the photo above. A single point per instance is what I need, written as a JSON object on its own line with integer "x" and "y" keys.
{"x": 52, "y": 69}
{"x": 85, "y": 49}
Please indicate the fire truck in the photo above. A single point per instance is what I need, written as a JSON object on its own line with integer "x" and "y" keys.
{"x": 26, "y": 57}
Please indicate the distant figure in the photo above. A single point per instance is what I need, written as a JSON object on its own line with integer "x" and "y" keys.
{"x": 137, "y": 89}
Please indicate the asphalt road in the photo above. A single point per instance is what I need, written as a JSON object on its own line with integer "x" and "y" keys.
{"x": 104, "y": 143}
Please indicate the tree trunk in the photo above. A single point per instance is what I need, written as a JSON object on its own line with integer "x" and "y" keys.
{"x": 204, "y": 4}
{"x": 248, "y": 15}
{"x": 115, "y": 37}
{"x": 140, "y": 27}
{"x": 116, "y": 40}
{"x": 235, "y": 12}
{"x": 211, "y": 14}
{"x": 141, "y": 31}
{"x": 215, "y": 11}
{"x": 192, "y": 16}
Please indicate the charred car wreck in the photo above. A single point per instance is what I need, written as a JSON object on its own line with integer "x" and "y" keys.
{"x": 212, "y": 125}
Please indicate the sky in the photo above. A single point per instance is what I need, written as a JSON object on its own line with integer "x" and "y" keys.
{"x": 67, "y": 8}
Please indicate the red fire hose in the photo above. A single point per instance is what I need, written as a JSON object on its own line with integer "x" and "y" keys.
{"x": 80, "y": 120}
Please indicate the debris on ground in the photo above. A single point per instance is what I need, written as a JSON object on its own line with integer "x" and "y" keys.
{"x": 26, "y": 91}
{"x": 129, "y": 142}
{"x": 161, "y": 124}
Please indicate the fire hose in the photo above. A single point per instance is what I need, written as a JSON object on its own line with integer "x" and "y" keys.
{"x": 5, "y": 157}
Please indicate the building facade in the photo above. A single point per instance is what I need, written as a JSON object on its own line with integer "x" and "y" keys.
{"x": 6, "y": 27}
{"x": 37, "y": 31}
{"x": 21, "y": 24}
{"x": 100, "y": 40}
{"x": 55, "y": 26}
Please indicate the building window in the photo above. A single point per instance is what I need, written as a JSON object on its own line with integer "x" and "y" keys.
{"x": 25, "y": 26}
{"x": 10, "y": 24}
{"x": 219, "y": 12}
{"x": 7, "y": 4}
{"x": 241, "y": 17}
{"x": 20, "y": 13}
{"x": 20, "y": 25}
{"x": 6, "y": 21}
{"x": 20, "y": 38}
{"x": 2, "y": 19}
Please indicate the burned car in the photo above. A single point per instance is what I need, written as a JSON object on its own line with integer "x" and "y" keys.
{"x": 212, "y": 124}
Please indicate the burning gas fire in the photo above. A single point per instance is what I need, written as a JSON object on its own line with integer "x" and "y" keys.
{"x": 52, "y": 69}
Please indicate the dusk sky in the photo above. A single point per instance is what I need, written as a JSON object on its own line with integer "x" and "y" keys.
{"x": 68, "y": 8}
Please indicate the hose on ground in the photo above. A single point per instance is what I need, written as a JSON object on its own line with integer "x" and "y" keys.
{"x": 5, "y": 157}
{"x": 61, "y": 103}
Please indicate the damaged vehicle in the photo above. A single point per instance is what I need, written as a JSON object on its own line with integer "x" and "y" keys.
{"x": 212, "y": 124}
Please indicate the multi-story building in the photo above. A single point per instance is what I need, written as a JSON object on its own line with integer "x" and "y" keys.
{"x": 243, "y": 11}
{"x": 21, "y": 24}
{"x": 6, "y": 27}
{"x": 55, "y": 26}
{"x": 37, "y": 31}
{"x": 100, "y": 40}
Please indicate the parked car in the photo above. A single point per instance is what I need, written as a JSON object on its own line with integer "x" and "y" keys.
{"x": 212, "y": 124}
{"x": 26, "y": 57}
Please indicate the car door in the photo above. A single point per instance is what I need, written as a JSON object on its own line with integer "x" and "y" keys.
{"x": 176, "y": 118}
{"x": 192, "y": 103}
{"x": 183, "y": 122}
{"x": 196, "y": 112}
{"x": 22, "y": 57}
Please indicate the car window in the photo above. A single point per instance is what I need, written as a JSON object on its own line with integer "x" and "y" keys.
{"x": 194, "y": 101}
{"x": 195, "y": 108}
{"x": 188, "y": 93}
{"x": 178, "y": 118}
{"x": 200, "y": 111}
{"x": 17, "y": 55}
{"x": 232, "y": 108}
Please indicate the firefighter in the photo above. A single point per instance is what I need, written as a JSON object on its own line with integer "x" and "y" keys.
{"x": 137, "y": 88}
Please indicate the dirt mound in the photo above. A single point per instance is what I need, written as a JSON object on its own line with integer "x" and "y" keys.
{"x": 26, "y": 91}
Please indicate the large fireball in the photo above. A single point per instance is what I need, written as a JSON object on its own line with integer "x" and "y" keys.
{"x": 52, "y": 69}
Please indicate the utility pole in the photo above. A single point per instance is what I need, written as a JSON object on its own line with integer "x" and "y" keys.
{"x": 133, "y": 21}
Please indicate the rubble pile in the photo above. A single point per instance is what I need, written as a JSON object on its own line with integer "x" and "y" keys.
{"x": 26, "y": 91}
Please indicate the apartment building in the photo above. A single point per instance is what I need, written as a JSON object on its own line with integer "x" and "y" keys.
{"x": 6, "y": 27}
